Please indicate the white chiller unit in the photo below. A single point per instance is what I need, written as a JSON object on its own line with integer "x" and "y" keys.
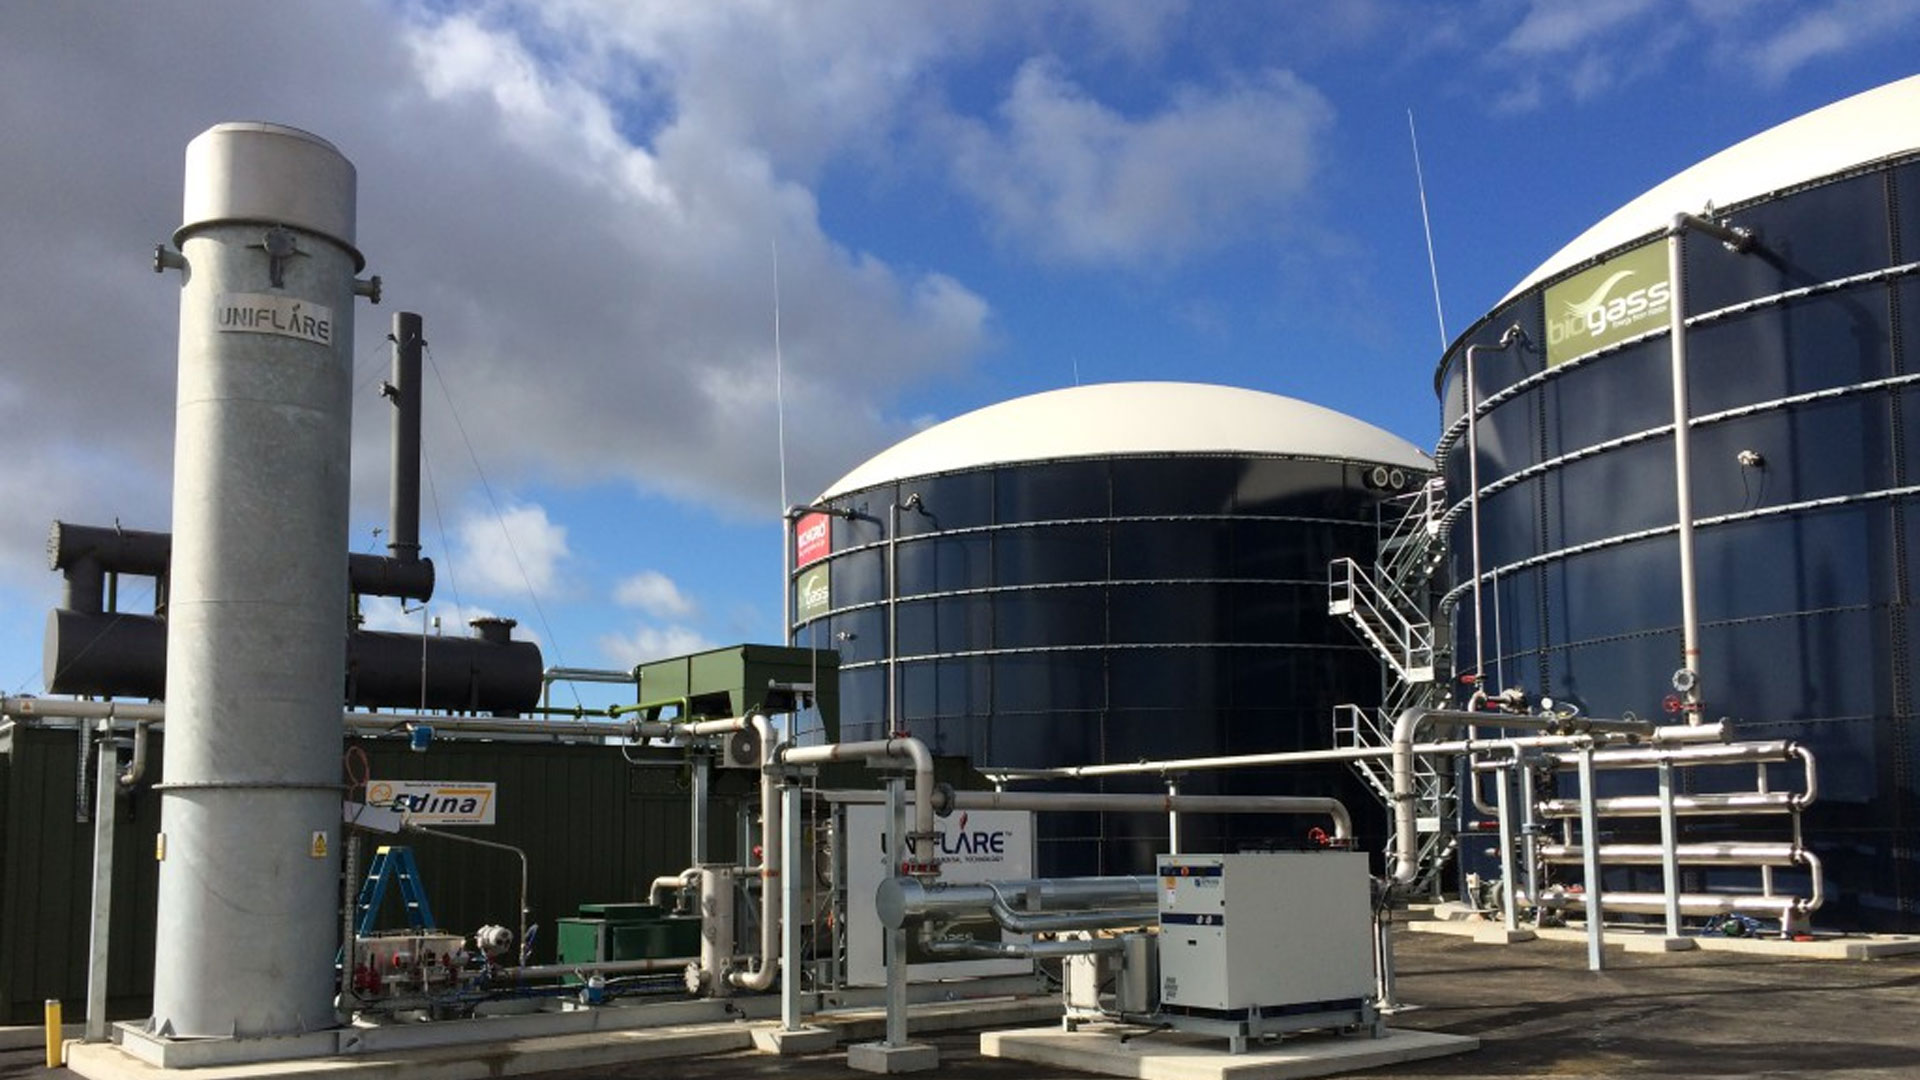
{"x": 1266, "y": 943}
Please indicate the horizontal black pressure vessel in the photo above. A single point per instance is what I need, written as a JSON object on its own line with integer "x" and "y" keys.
{"x": 121, "y": 654}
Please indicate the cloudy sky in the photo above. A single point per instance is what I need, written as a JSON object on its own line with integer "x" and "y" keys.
{"x": 590, "y": 203}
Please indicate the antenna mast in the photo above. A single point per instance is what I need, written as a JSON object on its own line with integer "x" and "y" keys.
{"x": 779, "y": 382}
{"x": 1426, "y": 223}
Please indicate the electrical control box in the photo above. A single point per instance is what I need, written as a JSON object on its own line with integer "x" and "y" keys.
{"x": 1260, "y": 931}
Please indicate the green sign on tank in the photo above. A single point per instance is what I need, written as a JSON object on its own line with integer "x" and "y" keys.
{"x": 813, "y": 597}
{"x": 1621, "y": 298}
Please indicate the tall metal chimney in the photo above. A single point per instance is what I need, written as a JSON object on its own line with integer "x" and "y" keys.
{"x": 250, "y": 810}
{"x": 403, "y": 507}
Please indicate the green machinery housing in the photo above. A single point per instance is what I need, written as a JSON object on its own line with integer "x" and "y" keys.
{"x": 716, "y": 684}
{"x": 739, "y": 679}
{"x": 604, "y": 932}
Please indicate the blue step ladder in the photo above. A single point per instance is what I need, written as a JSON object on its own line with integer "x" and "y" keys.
{"x": 392, "y": 862}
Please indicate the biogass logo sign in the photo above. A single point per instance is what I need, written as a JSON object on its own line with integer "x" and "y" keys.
{"x": 1609, "y": 303}
{"x": 813, "y": 594}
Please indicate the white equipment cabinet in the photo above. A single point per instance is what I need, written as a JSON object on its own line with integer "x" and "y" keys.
{"x": 1266, "y": 943}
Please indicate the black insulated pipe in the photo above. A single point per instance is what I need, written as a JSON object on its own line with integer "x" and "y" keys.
{"x": 378, "y": 575}
{"x": 84, "y": 551}
{"x": 403, "y": 508}
{"x": 116, "y": 550}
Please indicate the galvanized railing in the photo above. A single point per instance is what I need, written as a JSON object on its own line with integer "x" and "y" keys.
{"x": 1386, "y": 616}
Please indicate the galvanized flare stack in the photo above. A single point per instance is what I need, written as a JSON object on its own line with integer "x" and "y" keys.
{"x": 250, "y": 816}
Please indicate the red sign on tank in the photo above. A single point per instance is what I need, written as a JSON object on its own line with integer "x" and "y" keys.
{"x": 812, "y": 540}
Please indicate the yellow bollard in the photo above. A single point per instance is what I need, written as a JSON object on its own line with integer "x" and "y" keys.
{"x": 54, "y": 1031}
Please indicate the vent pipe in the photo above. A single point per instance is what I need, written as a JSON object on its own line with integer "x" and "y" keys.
{"x": 403, "y": 509}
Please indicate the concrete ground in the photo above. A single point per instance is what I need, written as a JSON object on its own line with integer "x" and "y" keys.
{"x": 1538, "y": 1013}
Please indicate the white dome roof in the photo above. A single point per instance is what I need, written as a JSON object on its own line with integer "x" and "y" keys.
{"x": 1881, "y": 123}
{"x": 1133, "y": 418}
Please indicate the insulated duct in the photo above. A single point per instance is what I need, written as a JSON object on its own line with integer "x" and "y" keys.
{"x": 75, "y": 549}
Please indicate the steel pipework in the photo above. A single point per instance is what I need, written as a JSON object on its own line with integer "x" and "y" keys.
{"x": 1508, "y": 339}
{"x": 1702, "y": 854}
{"x": 905, "y": 748}
{"x": 666, "y": 883}
{"x": 1021, "y": 950}
{"x": 359, "y": 723}
{"x": 1734, "y": 802}
{"x": 1650, "y": 903}
{"x": 1406, "y": 862}
{"x": 604, "y": 967}
{"x": 1735, "y": 240}
{"x": 1640, "y": 757}
{"x": 1070, "y": 801}
{"x": 381, "y": 723}
{"x": 521, "y": 942}
{"x": 761, "y": 977}
{"x": 905, "y": 901}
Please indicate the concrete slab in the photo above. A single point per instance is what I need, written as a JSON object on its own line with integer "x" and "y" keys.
{"x": 858, "y": 1024}
{"x": 1882, "y": 947}
{"x": 202, "y": 1053}
{"x": 1660, "y": 943}
{"x": 881, "y": 1058}
{"x": 1175, "y": 1055}
{"x": 522, "y": 1057}
{"x": 802, "y": 1040}
{"x": 1478, "y": 930}
{"x": 522, "y": 1048}
{"x": 1828, "y": 947}
{"x": 29, "y": 1036}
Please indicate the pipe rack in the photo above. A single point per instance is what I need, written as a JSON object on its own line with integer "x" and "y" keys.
{"x": 1670, "y": 854}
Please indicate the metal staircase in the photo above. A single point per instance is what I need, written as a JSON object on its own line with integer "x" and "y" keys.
{"x": 1387, "y": 606}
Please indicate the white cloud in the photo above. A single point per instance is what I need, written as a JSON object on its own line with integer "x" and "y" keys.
{"x": 647, "y": 643}
{"x": 1556, "y": 27}
{"x": 1082, "y": 182}
{"x": 653, "y": 593}
{"x": 589, "y": 243}
{"x": 516, "y": 552}
{"x": 1816, "y": 32}
{"x": 1583, "y": 50}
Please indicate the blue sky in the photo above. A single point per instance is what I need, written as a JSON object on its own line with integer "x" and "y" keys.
{"x": 968, "y": 201}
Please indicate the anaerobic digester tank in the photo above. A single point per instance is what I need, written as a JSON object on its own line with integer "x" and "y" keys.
{"x": 257, "y": 621}
{"x": 1802, "y": 387}
{"x": 1107, "y": 573}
